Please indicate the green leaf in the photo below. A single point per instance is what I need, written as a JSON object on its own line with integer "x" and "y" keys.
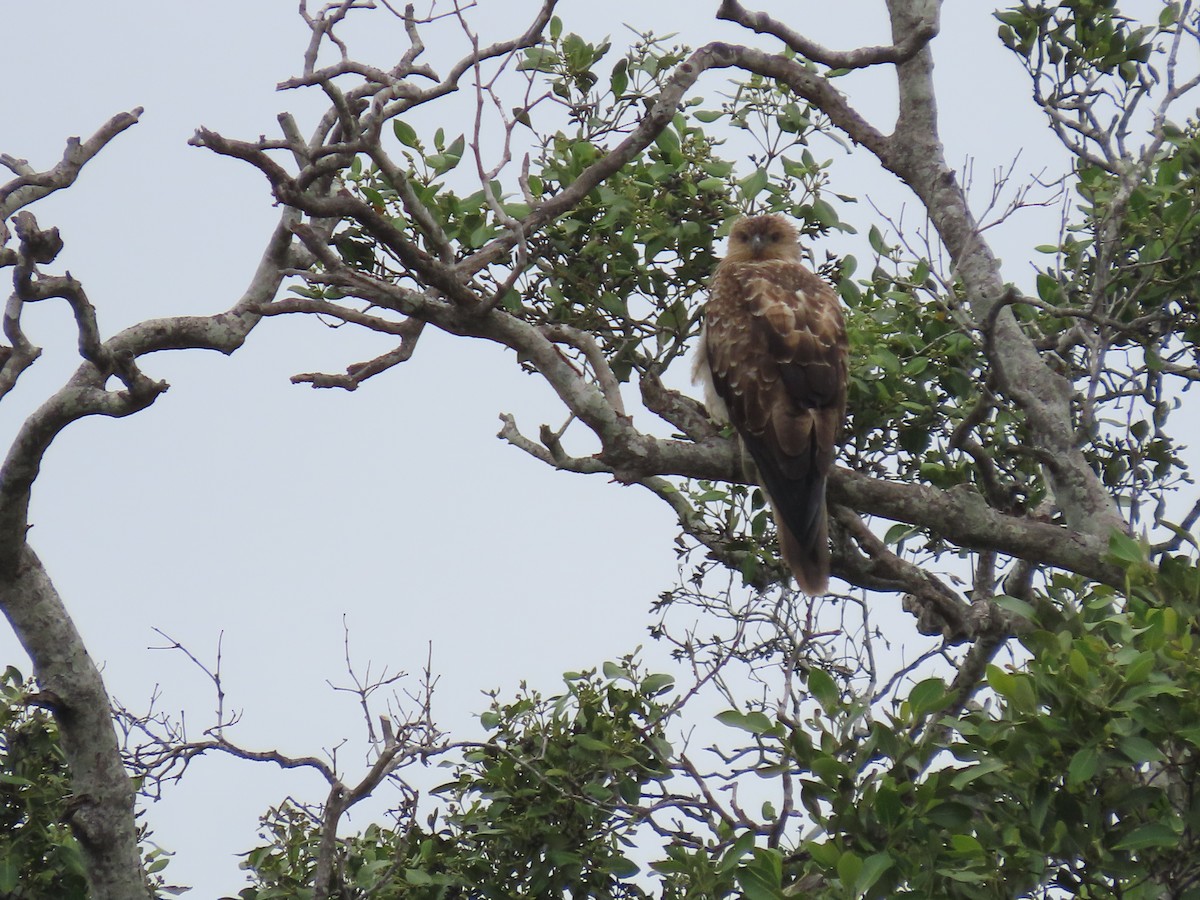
{"x": 1078, "y": 663}
{"x": 1139, "y": 750}
{"x": 619, "y": 80}
{"x": 406, "y": 134}
{"x": 622, "y": 867}
{"x": 822, "y": 686}
{"x": 792, "y": 168}
{"x": 928, "y": 696}
{"x": 653, "y": 685}
{"x": 9, "y": 876}
{"x": 1124, "y": 549}
{"x": 418, "y": 877}
{"x": 734, "y": 854}
{"x": 963, "y": 777}
{"x": 825, "y": 215}
{"x": 1003, "y": 683}
{"x": 480, "y": 235}
{"x": 587, "y": 742}
{"x": 578, "y": 52}
{"x": 668, "y": 142}
{"x": 898, "y": 532}
{"x": 966, "y": 844}
{"x": 1191, "y": 735}
{"x": 875, "y": 239}
{"x": 1014, "y": 17}
{"x": 1156, "y": 834}
{"x": 824, "y": 853}
{"x": 1141, "y": 667}
{"x": 538, "y": 59}
{"x": 752, "y": 185}
{"x": 755, "y": 887}
{"x": 489, "y": 719}
{"x": 753, "y": 722}
{"x": 615, "y": 672}
{"x": 950, "y": 816}
{"x": 887, "y": 805}
{"x": 1048, "y": 288}
{"x": 829, "y": 770}
{"x": 1016, "y": 606}
{"x": 873, "y": 868}
{"x": 159, "y": 864}
{"x": 1083, "y": 766}
{"x": 849, "y": 868}
{"x": 886, "y": 360}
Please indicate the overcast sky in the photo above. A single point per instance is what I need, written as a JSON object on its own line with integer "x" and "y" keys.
{"x": 242, "y": 504}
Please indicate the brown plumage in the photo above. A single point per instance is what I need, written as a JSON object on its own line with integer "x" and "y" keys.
{"x": 773, "y": 361}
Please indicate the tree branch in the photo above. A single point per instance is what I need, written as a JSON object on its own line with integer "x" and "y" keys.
{"x": 30, "y": 186}
{"x": 101, "y": 813}
{"x": 859, "y": 58}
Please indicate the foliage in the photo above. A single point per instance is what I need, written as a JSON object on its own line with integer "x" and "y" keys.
{"x": 546, "y": 805}
{"x": 1055, "y": 778}
{"x": 1070, "y": 767}
{"x": 1058, "y": 779}
{"x": 1094, "y": 742}
{"x": 1127, "y": 262}
{"x": 628, "y": 263}
{"x": 39, "y": 856}
{"x": 1044, "y": 742}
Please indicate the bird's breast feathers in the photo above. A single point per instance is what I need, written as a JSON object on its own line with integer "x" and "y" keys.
{"x": 773, "y": 336}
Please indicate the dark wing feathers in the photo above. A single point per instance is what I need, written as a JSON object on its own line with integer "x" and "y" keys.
{"x": 799, "y": 499}
{"x": 776, "y": 349}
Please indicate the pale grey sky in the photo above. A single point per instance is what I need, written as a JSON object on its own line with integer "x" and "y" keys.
{"x": 243, "y": 504}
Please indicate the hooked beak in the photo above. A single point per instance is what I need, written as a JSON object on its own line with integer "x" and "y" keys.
{"x": 756, "y": 244}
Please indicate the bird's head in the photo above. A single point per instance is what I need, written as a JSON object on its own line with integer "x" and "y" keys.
{"x": 761, "y": 238}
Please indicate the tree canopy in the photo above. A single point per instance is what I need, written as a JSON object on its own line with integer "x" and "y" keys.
{"x": 1013, "y": 474}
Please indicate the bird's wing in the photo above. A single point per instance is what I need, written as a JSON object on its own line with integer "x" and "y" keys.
{"x": 776, "y": 350}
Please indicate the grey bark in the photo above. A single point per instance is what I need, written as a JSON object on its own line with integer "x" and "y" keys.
{"x": 101, "y": 808}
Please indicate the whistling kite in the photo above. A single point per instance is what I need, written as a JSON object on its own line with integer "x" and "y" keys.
{"x": 773, "y": 362}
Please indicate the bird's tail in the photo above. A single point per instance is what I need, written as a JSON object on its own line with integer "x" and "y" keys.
{"x": 808, "y": 559}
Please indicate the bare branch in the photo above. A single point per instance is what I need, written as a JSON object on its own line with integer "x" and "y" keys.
{"x": 939, "y": 609}
{"x": 609, "y": 386}
{"x": 357, "y": 373}
{"x": 30, "y": 186}
{"x": 860, "y": 58}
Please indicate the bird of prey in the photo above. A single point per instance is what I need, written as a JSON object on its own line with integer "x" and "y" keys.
{"x": 773, "y": 363}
